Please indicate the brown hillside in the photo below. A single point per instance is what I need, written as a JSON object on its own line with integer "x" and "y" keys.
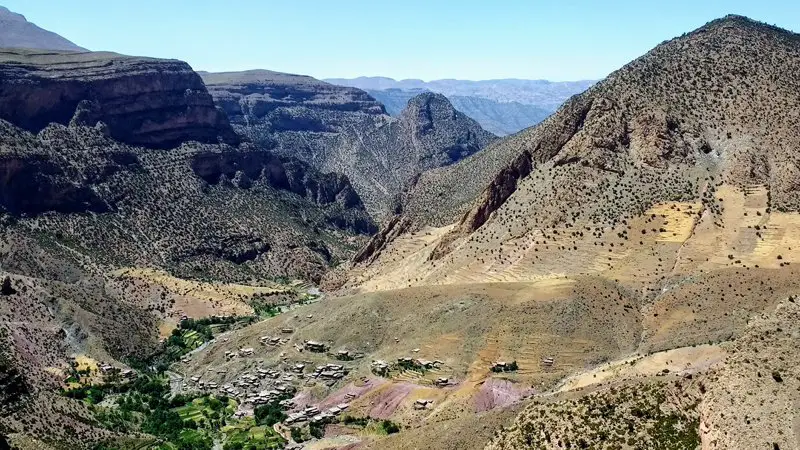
{"x": 686, "y": 136}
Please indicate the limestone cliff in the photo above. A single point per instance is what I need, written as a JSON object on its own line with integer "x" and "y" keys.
{"x": 143, "y": 101}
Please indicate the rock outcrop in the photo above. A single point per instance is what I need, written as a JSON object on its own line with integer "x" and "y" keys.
{"x": 242, "y": 169}
{"x": 143, "y": 101}
{"x": 344, "y": 130}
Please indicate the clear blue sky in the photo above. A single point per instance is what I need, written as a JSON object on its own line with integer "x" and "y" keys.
{"x": 466, "y": 39}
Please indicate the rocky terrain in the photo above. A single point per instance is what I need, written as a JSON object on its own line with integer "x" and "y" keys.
{"x": 125, "y": 208}
{"x": 17, "y": 32}
{"x": 142, "y": 101}
{"x": 344, "y": 130}
{"x": 502, "y": 107}
{"x": 672, "y": 179}
{"x": 644, "y": 123}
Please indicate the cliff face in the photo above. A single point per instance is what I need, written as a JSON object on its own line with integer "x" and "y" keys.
{"x": 344, "y": 130}
{"x": 242, "y": 169}
{"x": 143, "y": 101}
{"x": 257, "y": 93}
{"x": 226, "y": 211}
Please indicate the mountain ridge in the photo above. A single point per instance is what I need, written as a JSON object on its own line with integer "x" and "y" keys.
{"x": 503, "y": 106}
{"x": 17, "y": 32}
{"x": 344, "y": 130}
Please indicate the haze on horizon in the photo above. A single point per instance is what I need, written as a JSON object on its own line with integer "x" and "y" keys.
{"x": 467, "y": 40}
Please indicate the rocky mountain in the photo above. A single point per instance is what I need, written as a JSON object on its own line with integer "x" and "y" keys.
{"x": 673, "y": 181}
{"x": 500, "y": 118}
{"x": 501, "y": 106}
{"x": 142, "y": 101}
{"x": 125, "y": 205}
{"x": 134, "y": 150}
{"x": 344, "y": 130}
{"x": 17, "y": 32}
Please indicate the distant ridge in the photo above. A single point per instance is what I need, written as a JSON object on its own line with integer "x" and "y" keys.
{"x": 536, "y": 92}
{"x": 503, "y": 106}
{"x": 17, "y": 32}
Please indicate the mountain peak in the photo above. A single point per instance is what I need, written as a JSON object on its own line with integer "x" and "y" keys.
{"x": 427, "y": 98}
{"x": 17, "y": 32}
{"x": 427, "y": 109}
{"x": 743, "y": 22}
{"x": 10, "y": 16}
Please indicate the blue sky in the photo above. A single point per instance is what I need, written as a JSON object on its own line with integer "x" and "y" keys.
{"x": 465, "y": 39}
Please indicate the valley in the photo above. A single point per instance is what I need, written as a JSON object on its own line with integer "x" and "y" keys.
{"x": 264, "y": 260}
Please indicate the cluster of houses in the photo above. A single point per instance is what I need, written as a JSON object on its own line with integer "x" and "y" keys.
{"x": 314, "y": 346}
{"x": 248, "y": 387}
{"x": 344, "y": 355}
{"x": 380, "y": 367}
{"x": 330, "y": 372}
{"x": 312, "y": 414}
{"x": 504, "y": 366}
{"x": 407, "y": 362}
{"x": 108, "y": 369}
{"x": 242, "y": 352}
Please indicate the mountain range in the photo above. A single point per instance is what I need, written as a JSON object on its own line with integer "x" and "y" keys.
{"x": 344, "y": 130}
{"x": 500, "y": 106}
{"x": 266, "y": 260}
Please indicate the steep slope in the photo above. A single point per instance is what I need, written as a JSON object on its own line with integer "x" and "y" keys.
{"x": 95, "y": 115}
{"x": 684, "y": 136}
{"x": 17, "y": 32}
{"x": 344, "y": 130}
{"x": 500, "y": 118}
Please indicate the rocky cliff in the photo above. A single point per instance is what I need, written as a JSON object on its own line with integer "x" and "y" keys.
{"x": 344, "y": 130}
{"x": 221, "y": 210}
{"x": 255, "y": 94}
{"x": 143, "y": 101}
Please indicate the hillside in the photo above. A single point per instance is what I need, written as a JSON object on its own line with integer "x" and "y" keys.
{"x": 500, "y": 118}
{"x": 170, "y": 206}
{"x": 673, "y": 180}
{"x": 17, "y": 32}
{"x": 344, "y": 130}
{"x": 125, "y": 207}
{"x": 653, "y": 138}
